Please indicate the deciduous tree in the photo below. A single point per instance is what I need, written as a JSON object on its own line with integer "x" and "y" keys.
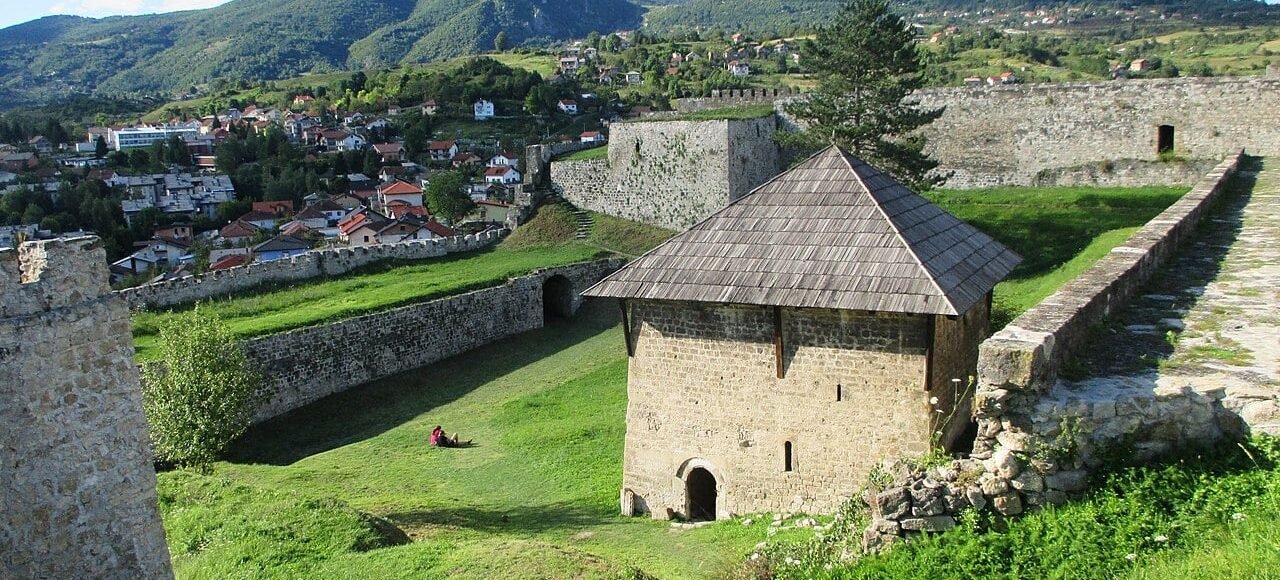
{"x": 200, "y": 394}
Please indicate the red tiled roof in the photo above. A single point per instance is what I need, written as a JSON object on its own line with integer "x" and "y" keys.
{"x": 229, "y": 262}
{"x": 498, "y": 171}
{"x": 400, "y": 188}
{"x": 285, "y": 206}
{"x": 440, "y": 229}
{"x": 238, "y": 229}
{"x": 440, "y": 145}
{"x": 401, "y": 209}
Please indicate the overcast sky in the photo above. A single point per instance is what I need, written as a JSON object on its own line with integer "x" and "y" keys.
{"x": 18, "y": 11}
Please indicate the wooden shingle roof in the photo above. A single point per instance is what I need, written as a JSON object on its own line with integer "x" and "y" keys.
{"x": 833, "y": 232}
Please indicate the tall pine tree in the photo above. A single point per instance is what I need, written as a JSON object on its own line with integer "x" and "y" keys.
{"x": 867, "y": 66}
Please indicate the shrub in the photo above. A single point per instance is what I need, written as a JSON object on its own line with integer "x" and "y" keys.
{"x": 200, "y": 393}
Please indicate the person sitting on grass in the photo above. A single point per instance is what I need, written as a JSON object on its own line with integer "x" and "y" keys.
{"x": 441, "y": 439}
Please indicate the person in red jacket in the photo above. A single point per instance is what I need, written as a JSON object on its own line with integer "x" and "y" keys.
{"x": 441, "y": 439}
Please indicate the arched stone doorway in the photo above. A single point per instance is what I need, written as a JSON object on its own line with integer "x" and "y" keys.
{"x": 700, "y": 494}
{"x": 557, "y": 298}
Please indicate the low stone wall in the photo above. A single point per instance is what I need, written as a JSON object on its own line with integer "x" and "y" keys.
{"x": 1036, "y": 441}
{"x": 305, "y": 365}
{"x": 313, "y": 264}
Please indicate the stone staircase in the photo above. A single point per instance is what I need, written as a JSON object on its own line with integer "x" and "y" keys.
{"x": 584, "y": 223}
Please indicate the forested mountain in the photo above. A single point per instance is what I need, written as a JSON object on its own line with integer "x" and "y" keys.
{"x": 269, "y": 39}
{"x": 789, "y": 16}
{"x": 49, "y": 59}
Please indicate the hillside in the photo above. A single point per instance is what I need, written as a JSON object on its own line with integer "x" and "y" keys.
{"x": 273, "y": 39}
{"x": 255, "y": 40}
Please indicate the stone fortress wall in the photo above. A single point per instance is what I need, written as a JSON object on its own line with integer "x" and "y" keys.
{"x": 1019, "y": 134}
{"x": 672, "y": 174}
{"x": 1037, "y": 442}
{"x": 77, "y": 483}
{"x": 1087, "y": 133}
{"x": 313, "y": 264}
{"x": 308, "y": 364}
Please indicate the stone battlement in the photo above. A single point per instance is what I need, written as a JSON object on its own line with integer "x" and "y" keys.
{"x": 736, "y": 97}
{"x": 48, "y": 275}
{"x": 313, "y": 264}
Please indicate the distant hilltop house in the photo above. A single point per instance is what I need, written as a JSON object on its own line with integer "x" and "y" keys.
{"x": 568, "y": 106}
{"x": 591, "y": 137}
{"x": 783, "y": 347}
{"x": 483, "y": 110}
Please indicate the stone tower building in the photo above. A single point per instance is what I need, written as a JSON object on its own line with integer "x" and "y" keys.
{"x": 784, "y": 346}
{"x": 76, "y": 482}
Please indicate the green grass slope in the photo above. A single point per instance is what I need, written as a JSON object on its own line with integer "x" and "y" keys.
{"x": 546, "y": 240}
{"x": 1058, "y": 231}
{"x": 535, "y": 497}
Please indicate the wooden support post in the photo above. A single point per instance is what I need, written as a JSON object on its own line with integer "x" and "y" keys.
{"x": 930, "y": 329}
{"x": 778, "y": 349}
{"x": 626, "y": 328}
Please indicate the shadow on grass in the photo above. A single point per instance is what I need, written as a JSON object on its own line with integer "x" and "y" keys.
{"x": 369, "y": 410}
{"x": 1135, "y": 339}
{"x": 522, "y": 519}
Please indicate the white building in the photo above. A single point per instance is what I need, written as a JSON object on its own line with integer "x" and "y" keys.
{"x": 135, "y": 137}
{"x": 483, "y": 110}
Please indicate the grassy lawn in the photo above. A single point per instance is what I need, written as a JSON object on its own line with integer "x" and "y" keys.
{"x": 586, "y": 154}
{"x": 377, "y": 287}
{"x": 309, "y": 494}
{"x": 535, "y": 497}
{"x": 1059, "y": 231}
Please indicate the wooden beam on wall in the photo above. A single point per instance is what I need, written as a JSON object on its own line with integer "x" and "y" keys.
{"x": 626, "y": 328}
{"x": 930, "y": 332}
{"x": 778, "y": 349}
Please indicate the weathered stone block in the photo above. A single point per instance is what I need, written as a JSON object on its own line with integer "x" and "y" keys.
{"x": 929, "y": 524}
{"x": 1075, "y": 480}
{"x": 1008, "y": 504}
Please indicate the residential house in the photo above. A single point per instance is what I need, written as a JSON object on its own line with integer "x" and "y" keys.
{"x": 339, "y": 140}
{"x": 391, "y": 152}
{"x": 502, "y": 175}
{"x": 1140, "y": 65}
{"x": 569, "y": 64}
{"x": 430, "y": 107}
{"x": 229, "y": 261}
{"x": 973, "y": 81}
{"x": 504, "y": 158}
{"x": 263, "y": 220}
{"x": 181, "y": 232}
{"x": 280, "y": 248}
{"x": 313, "y": 217}
{"x": 490, "y": 211}
{"x": 465, "y": 158}
{"x": 393, "y": 110}
{"x": 568, "y": 106}
{"x": 399, "y": 191}
{"x": 281, "y": 208}
{"x": 399, "y": 209}
{"x": 483, "y": 110}
{"x": 360, "y": 227}
{"x": 635, "y": 78}
{"x": 739, "y": 68}
{"x": 442, "y": 150}
{"x": 19, "y": 162}
{"x": 41, "y": 144}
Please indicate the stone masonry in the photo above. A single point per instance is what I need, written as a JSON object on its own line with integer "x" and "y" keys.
{"x": 672, "y": 174}
{"x": 313, "y": 264}
{"x": 703, "y": 393}
{"x": 77, "y": 483}
{"x": 1037, "y": 436}
{"x": 305, "y": 365}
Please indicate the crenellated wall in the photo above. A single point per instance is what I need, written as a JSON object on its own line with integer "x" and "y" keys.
{"x": 305, "y": 365}
{"x": 313, "y": 264}
{"x": 672, "y": 174}
{"x": 77, "y": 482}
